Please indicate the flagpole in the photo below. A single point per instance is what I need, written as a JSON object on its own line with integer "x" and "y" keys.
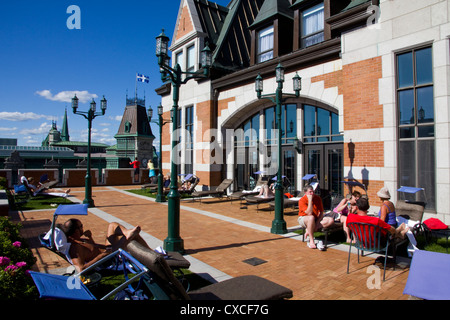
{"x": 135, "y": 90}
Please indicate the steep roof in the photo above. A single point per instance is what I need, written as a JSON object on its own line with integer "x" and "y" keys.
{"x": 273, "y": 8}
{"x": 233, "y": 45}
{"x": 135, "y": 122}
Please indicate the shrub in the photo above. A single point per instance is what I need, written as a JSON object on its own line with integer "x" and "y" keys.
{"x": 15, "y": 261}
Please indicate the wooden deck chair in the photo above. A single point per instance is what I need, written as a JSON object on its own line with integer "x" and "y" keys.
{"x": 218, "y": 192}
{"x": 165, "y": 286}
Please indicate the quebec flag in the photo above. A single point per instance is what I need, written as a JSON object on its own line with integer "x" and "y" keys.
{"x": 142, "y": 78}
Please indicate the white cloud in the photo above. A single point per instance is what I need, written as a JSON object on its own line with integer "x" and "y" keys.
{"x": 19, "y": 116}
{"x": 43, "y": 129}
{"x": 66, "y": 96}
{"x": 8, "y": 129}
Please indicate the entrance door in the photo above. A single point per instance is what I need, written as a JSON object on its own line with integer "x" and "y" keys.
{"x": 288, "y": 169}
{"x": 246, "y": 166}
{"x": 326, "y": 161}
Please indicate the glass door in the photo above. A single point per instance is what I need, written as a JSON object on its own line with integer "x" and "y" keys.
{"x": 334, "y": 168}
{"x": 288, "y": 169}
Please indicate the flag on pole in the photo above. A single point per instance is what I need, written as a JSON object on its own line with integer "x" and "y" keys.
{"x": 142, "y": 78}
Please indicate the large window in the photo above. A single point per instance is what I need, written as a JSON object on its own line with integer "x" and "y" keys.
{"x": 415, "y": 105}
{"x": 288, "y": 124}
{"x": 320, "y": 125}
{"x": 191, "y": 59}
{"x": 265, "y": 44}
{"x": 312, "y": 26}
{"x": 189, "y": 129}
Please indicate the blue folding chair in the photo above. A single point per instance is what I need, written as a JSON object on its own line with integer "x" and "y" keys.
{"x": 64, "y": 287}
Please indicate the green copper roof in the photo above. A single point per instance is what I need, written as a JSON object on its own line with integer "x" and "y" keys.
{"x": 272, "y": 8}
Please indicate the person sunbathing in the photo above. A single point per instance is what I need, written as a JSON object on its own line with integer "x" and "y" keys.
{"x": 40, "y": 190}
{"x": 84, "y": 251}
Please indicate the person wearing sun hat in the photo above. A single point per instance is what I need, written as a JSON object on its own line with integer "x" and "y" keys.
{"x": 387, "y": 208}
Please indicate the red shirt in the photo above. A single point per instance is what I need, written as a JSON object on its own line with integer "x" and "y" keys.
{"x": 135, "y": 164}
{"x": 371, "y": 220}
{"x": 303, "y": 205}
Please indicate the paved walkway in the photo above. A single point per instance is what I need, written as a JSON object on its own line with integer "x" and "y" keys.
{"x": 218, "y": 236}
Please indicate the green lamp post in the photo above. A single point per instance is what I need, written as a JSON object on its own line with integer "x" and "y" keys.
{"x": 160, "y": 197}
{"x": 278, "y": 224}
{"x": 177, "y": 77}
{"x": 89, "y": 115}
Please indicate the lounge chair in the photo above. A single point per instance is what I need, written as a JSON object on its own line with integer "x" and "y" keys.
{"x": 239, "y": 195}
{"x": 51, "y": 286}
{"x": 257, "y": 200}
{"x": 56, "y": 241}
{"x": 428, "y": 276}
{"x": 218, "y": 192}
{"x": 165, "y": 286}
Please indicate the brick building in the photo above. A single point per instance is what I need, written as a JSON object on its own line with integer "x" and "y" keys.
{"x": 374, "y": 104}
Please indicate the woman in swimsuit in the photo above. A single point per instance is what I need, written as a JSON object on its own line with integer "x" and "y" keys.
{"x": 387, "y": 209}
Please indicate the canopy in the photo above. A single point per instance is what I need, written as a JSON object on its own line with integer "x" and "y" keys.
{"x": 410, "y": 189}
{"x": 71, "y": 209}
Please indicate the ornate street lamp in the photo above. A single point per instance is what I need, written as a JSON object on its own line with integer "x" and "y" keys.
{"x": 89, "y": 115}
{"x": 160, "y": 197}
{"x": 278, "y": 224}
{"x": 173, "y": 242}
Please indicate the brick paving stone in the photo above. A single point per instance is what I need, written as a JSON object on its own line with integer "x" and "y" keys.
{"x": 311, "y": 274}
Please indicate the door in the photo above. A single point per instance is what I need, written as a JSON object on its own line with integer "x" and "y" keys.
{"x": 326, "y": 162}
{"x": 246, "y": 165}
{"x": 288, "y": 169}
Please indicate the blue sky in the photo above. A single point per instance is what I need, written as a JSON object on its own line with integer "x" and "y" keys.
{"x": 43, "y": 63}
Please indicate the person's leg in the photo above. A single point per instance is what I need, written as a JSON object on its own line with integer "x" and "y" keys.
{"x": 118, "y": 236}
{"x": 310, "y": 223}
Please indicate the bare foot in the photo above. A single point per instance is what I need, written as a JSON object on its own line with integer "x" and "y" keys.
{"x": 312, "y": 245}
{"x": 131, "y": 233}
{"x": 68, "y": 191}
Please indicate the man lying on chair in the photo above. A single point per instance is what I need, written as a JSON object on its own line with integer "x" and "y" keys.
{"x": 84, "y": 251}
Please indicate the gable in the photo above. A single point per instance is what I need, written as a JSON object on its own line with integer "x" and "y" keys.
{"x": 185, "y": 24}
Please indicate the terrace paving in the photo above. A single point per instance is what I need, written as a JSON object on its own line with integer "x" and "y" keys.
{"x": 219, "y": 235}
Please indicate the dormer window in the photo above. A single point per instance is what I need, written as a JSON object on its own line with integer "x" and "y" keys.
{"x": 312, "y": 26}
{"x": 190, "y": 59}
{"x": 265, "y": 44}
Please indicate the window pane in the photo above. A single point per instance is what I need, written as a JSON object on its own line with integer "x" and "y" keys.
{"x": 405, "y": 70}
{"x": 426, "y": 178}
{"x": 309, "y": 120}
{"x": 407, "y": 163}
{"x": 425, "y": 105}
{"x": 426, "y": 131}
{"x": 323, "y": 122}
{"x": 179, "y": 59}
{"x": 247, "y": 133}
{"x": 255, "y": 127}
{"x": 408, "y": 132}
{"x": 312, "y": 25}
{"x": 269, "y": 123}
{"x": 312, "y": 20}
{"x": 334, "y": 123}
{"x": 291, "y": 111}
{"x": 424, "y": 66}
{"x": 265, "y": 44}
{"x": 406, "y": 106}
{"x": 191, "y": 58}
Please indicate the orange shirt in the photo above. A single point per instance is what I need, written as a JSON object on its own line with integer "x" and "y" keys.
{"x": 303, "y": 205}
